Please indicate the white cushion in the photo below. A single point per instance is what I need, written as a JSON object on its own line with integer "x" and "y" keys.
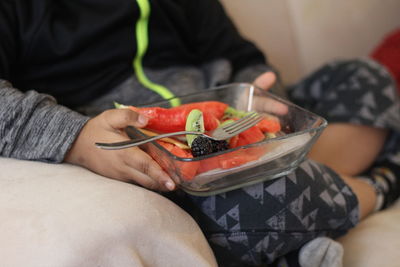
{"x": 63, "y": 215}
{"x": 375, "y": 241}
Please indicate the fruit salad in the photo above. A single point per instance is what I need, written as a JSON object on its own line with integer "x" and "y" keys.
{"x": 202, "y": 117}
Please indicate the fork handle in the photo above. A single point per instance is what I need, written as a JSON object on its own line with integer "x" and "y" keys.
{"x": 141, "y": 141}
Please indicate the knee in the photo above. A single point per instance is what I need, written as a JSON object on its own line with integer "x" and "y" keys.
{"x": 70, "y": 216}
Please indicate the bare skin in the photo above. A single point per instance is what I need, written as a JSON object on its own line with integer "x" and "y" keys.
{"x": 335, "y": 149}
{"x": 128, "y": 165}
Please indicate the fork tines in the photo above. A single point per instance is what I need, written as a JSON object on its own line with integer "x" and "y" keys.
{"x": 246, "y": 122}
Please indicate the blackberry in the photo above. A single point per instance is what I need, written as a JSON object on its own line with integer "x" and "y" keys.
{"x": 203, "y": 146}
{"x": 219, "y": 145}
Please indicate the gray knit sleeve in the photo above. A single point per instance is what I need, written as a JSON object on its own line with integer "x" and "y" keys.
{"x": 34, "y": 127}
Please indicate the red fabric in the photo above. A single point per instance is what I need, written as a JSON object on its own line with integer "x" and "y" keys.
{"x": 388, "y": 54}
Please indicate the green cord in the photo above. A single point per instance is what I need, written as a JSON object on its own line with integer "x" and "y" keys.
{"x": 142, "y": 40}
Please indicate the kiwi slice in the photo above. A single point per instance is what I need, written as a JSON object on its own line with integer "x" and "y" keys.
{"x": 194, "y": 122}
{"x": 231, "y": 112}
{"x": 226, "y": 122}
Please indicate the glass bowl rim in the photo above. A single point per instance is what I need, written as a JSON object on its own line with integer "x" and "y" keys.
{"x": 318, "y": 128}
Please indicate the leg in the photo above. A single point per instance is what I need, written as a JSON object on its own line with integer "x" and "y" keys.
{"x": 263, "y": 222}
{"x": 359, "y": 100}
{"x": 260, "y": 223}
{"x": 335, "y": 149}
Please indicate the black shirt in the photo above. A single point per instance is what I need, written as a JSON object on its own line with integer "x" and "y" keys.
{"x": 77, "y": 50}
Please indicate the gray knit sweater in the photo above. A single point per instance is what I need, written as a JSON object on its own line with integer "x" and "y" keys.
{"x": 34, "y": 127}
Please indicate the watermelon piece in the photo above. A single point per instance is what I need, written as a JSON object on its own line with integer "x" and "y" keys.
{"x": 269, "y": 125}
{"x": 187, "y": 170}
{"x": 251, "y": 135}
{"x": 174, "y": 119}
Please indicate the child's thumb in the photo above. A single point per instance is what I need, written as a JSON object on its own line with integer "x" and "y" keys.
{"x": 266, "y": 80}
{"x": 121, "y": 118}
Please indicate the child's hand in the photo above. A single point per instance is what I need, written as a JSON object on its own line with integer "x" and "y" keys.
{"x": 265, "y": 81}
{"x": 129, "y": 165}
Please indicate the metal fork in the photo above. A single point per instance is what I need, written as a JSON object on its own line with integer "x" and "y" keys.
{"x": 221, "y": 133}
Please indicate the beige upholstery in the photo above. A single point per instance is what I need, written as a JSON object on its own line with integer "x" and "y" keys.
{"x": 63, "y": 215}
{"x": 375, "y": 241}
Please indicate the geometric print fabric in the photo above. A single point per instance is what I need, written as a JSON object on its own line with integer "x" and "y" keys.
{"x": 262, "y": 223}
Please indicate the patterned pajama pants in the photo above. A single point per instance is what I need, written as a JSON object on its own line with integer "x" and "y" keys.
{"x": 258, "y": 224}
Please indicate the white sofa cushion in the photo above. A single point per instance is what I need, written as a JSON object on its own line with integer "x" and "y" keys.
{"x": 375, "y": 241}
{"x": 63, "y": 215}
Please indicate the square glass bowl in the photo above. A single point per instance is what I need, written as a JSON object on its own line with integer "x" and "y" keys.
{"x": 272, "y": 157}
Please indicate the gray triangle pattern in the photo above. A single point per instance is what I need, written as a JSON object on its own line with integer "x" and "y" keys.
{"x": 364, "y": 72}
{"x": 327, "y": 177}
{"x": 395, "y": 158}
{"x": 223, "y": 195}
{"x": 346, "y": 190}
{"x": 208, "y": 206}
{"x": 240, "y": 239}
{"x": 277, "y": 189}
{"x": 307, "y": 193}
{"x": 354, "y": 84}
{"x": 308, "y": 169}
{"x": 312, "y": 227}
{"x": 339, "y": 199}
{"x": 297, "y": 206}
{"x": 316, "y": 166}
{"x": 390, "y": 118}
{"x": 299, "y": 92}
{"x": 316, "y": 90}
{"x": 326, "y": 198}
{"x": 311, "y": 220}
{"x": 366, "y": 113}
{"x": 265, "y": 242}
{"x": 350, "y": 67}
{"x": 277, "y": 248}
{"x": 222, "y": 221}
{"x": 292, "y": 177}
{"x": 277, "y": 221}
{"x": 297, "y": 214}
{"x": 332, "y": 96}
{"x": 382, "y": 71}
{"x": 234, "y": 213}
{"x": 256, "y": 191}
{"x": 389, "y": 92}
{"x": 334, "y": 187}
{"x": 354, "y": 215}
{"x": 340, "y": 109}
{"x": 355, "y": 121}
{"x": 221, "y": 241}
{"x": 369, "y": 100}
{"x": 313, "y": 214}
{"x": 335, "y": 222}
{"x": 342, "y": 87}
{"x": 236, "y": 227}
{"x": 248, "y": 257}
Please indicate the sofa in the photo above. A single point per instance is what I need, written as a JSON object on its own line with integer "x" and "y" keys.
{"x": 60, "y": 215}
